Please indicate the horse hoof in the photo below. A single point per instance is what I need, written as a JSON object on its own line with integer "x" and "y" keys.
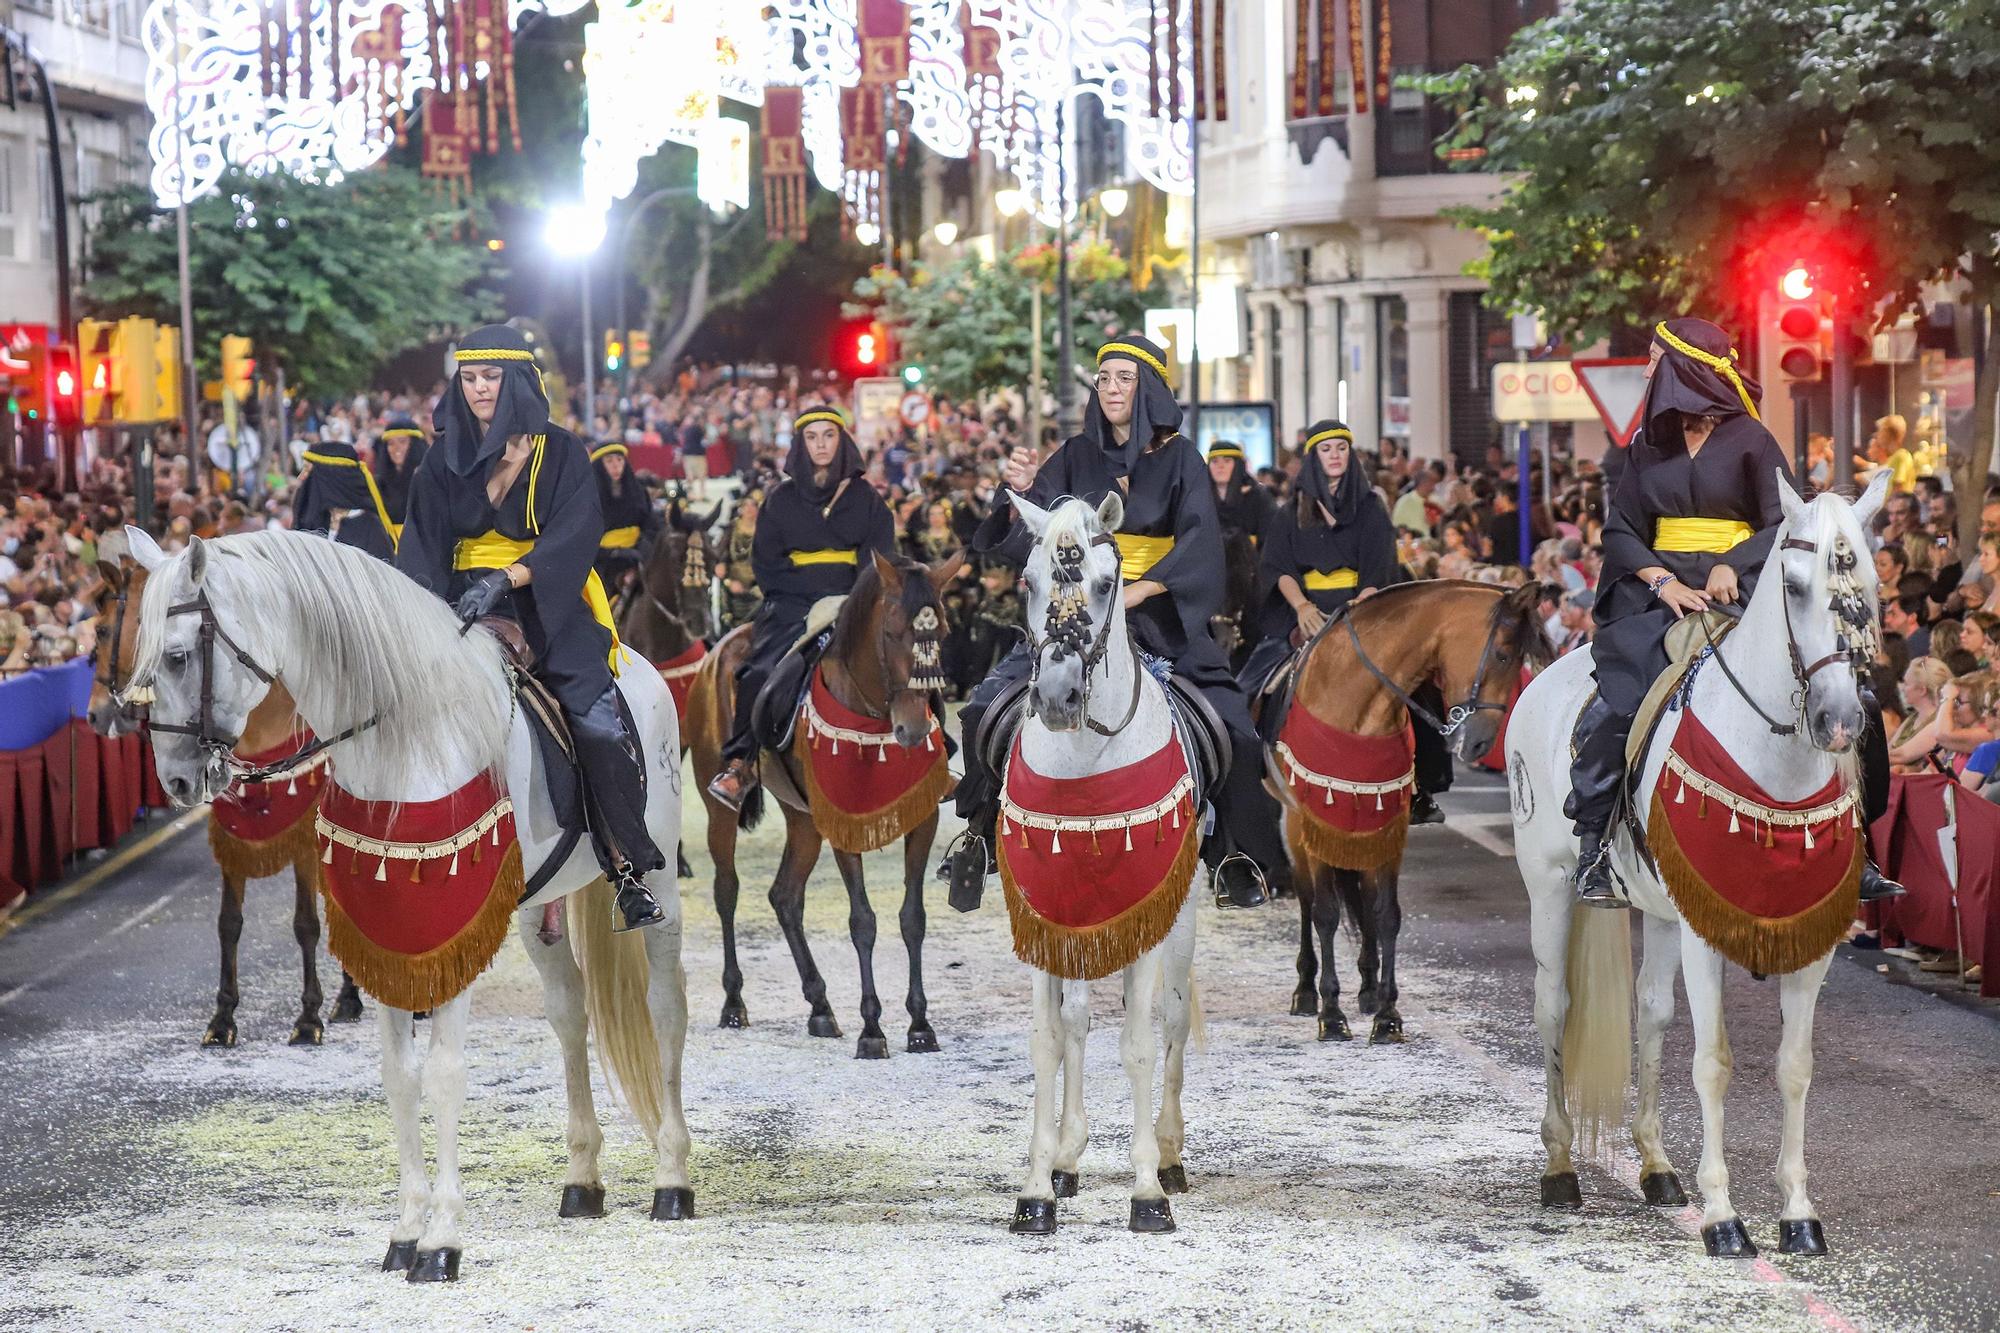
{"x": 871, "y": 1048}
{"x": 822, "y": 1025}
{"x": 1387, "y": 1029}
{"x": 434, "y": 1266}
{"x": 923, "y": 1041}
{"x": 734, "y": 1015}
{"x": 1804, "y": 1236}
{"x": 1173, "y": 1179}
{"x": 219, "y": 1034}
{"x": 673, "y": 1205}
{"x": 1728, "y": 1239}
{"x": 1335, "y": 1029}
{"x": 347, "y": 1007}
{"x": 1064, "y": 1184}
{"x": 1663, "y": 1189}
{"x": 1033, "y": 1217}
{"x": 308, "y": 1034}
{"x": 401, "y": 1257}
{"x": 582, "y": 1201}
{"x": 1561, "y": 1190}
{"x": 1153, "y": 1216}
{"x": 1304, "y": 1004}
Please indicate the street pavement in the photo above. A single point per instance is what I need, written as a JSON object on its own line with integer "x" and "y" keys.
{"x": 145, "y": 1182}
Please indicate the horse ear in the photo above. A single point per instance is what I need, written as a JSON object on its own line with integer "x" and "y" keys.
{"x": 885, "y": 570}
{"x": 144, "y": 549}
{"x": 942, "y": 573}
{"x": 1036, "y": 517}
{"x": 197, "y": 564}
{"x": 1871, "y": 499}
{"x": 1111, "y": 510}
{"x": 1795, "y": 508}
{"x": 113, "y": 574}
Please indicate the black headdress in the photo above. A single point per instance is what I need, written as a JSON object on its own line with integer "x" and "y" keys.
{"x": 403, "y": 427}
{"x": 1697, "y": 373}
{"x": 1239, "y": 471}
{"x": 1343, "y": 501}
{"x": 1154, "y": 407}
{"x": 799, "y": 465}
{"x": 523, "y": 407}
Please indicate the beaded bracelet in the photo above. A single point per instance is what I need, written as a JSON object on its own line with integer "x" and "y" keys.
{"x": 1659, "y": 583}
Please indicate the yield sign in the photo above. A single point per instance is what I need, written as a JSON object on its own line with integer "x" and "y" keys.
{"x": 1617, "y": 385}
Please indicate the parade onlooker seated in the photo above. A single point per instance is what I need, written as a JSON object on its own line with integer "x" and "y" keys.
{"x": 1912, "y": 740}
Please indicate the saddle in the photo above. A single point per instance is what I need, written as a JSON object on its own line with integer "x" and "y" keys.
{"x": 1196, "y": 722}
{"x": 562, "y": 771}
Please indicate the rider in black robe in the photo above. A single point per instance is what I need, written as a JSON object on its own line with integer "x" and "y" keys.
{"x": 393, "y": 479}
{"x": 1240, "y": 502}
{"x": 1170, "y": 509}
{"x": 528, "y": 560}
{"x": 813, "y": 532}
{"x": 1331, "y": 545}
{"x": 631, "y": 522}
{"x": 340, "y": 485}
{"x": 1685, "y": 526}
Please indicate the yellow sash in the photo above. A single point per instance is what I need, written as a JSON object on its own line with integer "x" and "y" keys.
{"x": 1138, "y": 554}
{"x": 395, "y": 530}
{"x": 1327, "y": 580}
{"x": 829, "y": 556}
{"x": 1713, "y": 535}
{"x": 620, "y": 539}
{"x": 490, "y": 550}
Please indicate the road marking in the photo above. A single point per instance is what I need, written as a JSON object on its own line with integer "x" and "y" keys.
{"x": 1473, "y": 828}
{"x": 97, "y": 874}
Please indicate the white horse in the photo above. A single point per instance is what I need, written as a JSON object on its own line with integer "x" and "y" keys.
{"x": 354, "y": 640}
{"x": 1077, "y": 724}
{"x": 1583, "y": 966}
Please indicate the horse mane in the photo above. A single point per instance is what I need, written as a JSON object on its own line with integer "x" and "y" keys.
{"x": 363, "y": 641}
{"x": 1520, "y": 616}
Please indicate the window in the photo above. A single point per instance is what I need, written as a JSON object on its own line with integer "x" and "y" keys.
{"x": 45, "y": 213}
{"x": 1392, "y": 365}
{"x": 9, "y": 155}
{"x": 1274, "y": 356}
{"x": 1340, "y": 359}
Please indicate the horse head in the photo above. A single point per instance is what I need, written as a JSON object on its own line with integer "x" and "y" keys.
{"x": 1823, "y": 580}
{"x": 1480, "y": 671}
{"x": 1074, "y": 597}
{"x": 203, "y": 684}
{"x": 115, "y": 709}
{"x": 896, "y": 605}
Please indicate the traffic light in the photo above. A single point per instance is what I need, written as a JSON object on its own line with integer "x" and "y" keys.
{"x": 167, "y": 371}
{"x": 614, "y": 351}
{"x": 31, "y": 390}
{"x": 913, "y": 374}
{"x": 135, "y": 371}
{"x": 640, "y": 349}
{"x": 96, "y": 341}
{"x": 65, "y": 388}
{"x": 238, "y": 367}
{"x": 867, "y": 348}
{"x": 1805, "y": 332}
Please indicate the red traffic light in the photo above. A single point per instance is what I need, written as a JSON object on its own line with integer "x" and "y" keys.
{"x": 65, "y": 388}
{"x": 865, "y": 351}
{"x": 1799, "y": 321}
{"x": 1797, "y": 284}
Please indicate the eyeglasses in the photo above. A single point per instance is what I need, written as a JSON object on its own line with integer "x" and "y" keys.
{"x": 1110, "y": 380}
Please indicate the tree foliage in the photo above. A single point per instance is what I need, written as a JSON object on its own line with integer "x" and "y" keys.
{"x": 1676, "y": 157}
{"x": 328, "y": 281}
{"x": 967, "y": 322}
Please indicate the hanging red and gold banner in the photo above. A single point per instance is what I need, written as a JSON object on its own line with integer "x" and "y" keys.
{"x": 784, "y": 148}
{"x": 1302, "y": 11}
{"x": 1357, "y": 54}
{"x": 884, "y": 29}
{"x": 1382, "y": 53}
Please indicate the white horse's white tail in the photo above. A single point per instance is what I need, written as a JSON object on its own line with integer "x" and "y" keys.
{"x": 1597, "y": 1035}
{"x": 614, "y": 985}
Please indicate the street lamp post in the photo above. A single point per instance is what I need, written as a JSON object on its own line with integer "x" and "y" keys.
{"x": 621, "y": 252}
{"x": 1065, "y": 352}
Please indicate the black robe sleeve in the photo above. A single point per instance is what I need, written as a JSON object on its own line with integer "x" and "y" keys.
{"x": 1628, "y": 544}
{"x": 1763, "y": 462}
{"x": 1191, "y": 572}
{"x": 426, "y": 549}
{"x": 1376, "y": 565}
{"x": 572, "y": 526}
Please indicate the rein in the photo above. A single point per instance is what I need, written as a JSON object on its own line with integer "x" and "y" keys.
{"x": 1455, "y": 716}
{"x": 1061, "y": 632}
{"x": 1802, "y": 673}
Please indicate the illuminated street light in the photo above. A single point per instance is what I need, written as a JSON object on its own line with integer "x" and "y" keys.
{"x": 574, "y": 230}
{"x": 867, "y": 233}
{"x": 1114, "y": 201}
{"x": 1009, "y": 202}
{"x": 945, "y": 232}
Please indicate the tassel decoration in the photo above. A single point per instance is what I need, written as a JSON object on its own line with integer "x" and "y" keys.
{"x": 382, "y": 870}
{"x": 1735, "y": 824}
{"x": 1128, "y": 837}
{"x": 1681, "y": 797}
{"x": 454, "y": 864}
{"x": 1055, "y": 840}
{"x": 1809, "y": 841}
{"x": 327, "y": 859}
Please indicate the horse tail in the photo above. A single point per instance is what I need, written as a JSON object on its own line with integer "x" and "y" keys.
{"x": 1597, "y": 1037}
{"x": 614, "y": 984}
{"x": 752, "y": 811}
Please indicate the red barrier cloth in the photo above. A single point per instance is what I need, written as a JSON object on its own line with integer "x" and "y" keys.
{"x": 13, "y": 879}
{"x": 866, "y": 790}
{"x": 1772, "y": 885}
{"x": 419, "y": 894}
{"x": 1096, "y": 868}
{"x": 679, "y": 674}
{"x": 261, "y": 828}
{"x": 1349, "y": 793}
{"x": 1906, "y": 842}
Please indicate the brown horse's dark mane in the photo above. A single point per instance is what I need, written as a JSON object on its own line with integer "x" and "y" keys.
{"x": 851, "y": 626}
{"x": 1513, "y": 610}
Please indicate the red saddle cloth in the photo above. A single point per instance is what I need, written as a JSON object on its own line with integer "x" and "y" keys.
{"x": 260, "y": 828}
{"x": 866, "y": 790}
{"x": 1770, "y": 885}
{"x": 679, "y": 674}
{"x": 1096, "y": 869}
{"x": 1349, "y": 793}
{"x": 419, "y": 894}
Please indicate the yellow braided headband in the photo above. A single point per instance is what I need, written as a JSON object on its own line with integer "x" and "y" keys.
{"x": 330, "y": 460}
{"x": 1714, "y": 362}
{"x": 614, "y": 447}
{"x": 465, "y": 355}
{"x": 1226, "y": 451}
{"x": 401, "y": 431}
{"x": 1337, "y": 433}
{"x": 1137, "y": 354}
{"x": 806, "y": 419}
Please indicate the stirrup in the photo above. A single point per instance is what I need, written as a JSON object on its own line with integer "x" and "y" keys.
{"x": 1597, "y": 883}
{"x": 967, "y": 862}
{"x": 731, "y": 797}
{"x": 635, "y": 907}
{"x": 1240, "y": 895}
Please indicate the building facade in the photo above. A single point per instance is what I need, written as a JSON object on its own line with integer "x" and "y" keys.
{"x": 1354, "y": 294}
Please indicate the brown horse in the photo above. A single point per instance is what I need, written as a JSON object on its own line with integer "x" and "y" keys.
{"x": 270, "y": 725}
{"x": 665, "y": 615}
{"x": 1357, "y": 676}
{"x": 868, "y": 668}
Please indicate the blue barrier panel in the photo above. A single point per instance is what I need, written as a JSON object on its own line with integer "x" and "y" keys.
{"x": 37, "y": 704}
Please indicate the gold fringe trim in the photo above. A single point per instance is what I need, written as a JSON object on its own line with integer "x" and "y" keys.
{"x": 1345, "y": 850}
{"x": 424, "y": 981}
{"x": 1085, "y": 953}
{"x": 240, "y": 858}
{"x": 1769, "y": 945}
{"x": 876, "y": 828}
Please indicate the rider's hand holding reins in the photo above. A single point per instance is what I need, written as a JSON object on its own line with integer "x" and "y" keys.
{"x": 1722, "y": 585}
{"x": 1138, "y": 592}
{"x": 1311, "y": 619}
{"x": 1676, "y": 596}
{"x": 478, "y": 601}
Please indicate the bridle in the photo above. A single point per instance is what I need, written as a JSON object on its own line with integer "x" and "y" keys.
{"x": 927, "y": 653}
{"x": 1851, "y": 611}
{"x": 1067, "y": 629}
{"x": 1455, "y": 716}
{"x": 127, "y": 701}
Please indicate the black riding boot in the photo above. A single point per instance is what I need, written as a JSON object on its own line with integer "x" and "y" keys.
{"x": 1875, "y": 886}
{"x": 1596, "y": 771}
{"x": 1432, "y": 758}
{"x": 614, "y": 776}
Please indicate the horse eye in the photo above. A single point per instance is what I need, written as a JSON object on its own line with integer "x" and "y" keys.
{"x": 177, "y": 658}
{"x": 1794, "y": 588}
{"x": 1103, "y": 586}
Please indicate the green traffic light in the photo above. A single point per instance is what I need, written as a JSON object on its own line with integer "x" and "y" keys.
{"x": 913, "y": 374}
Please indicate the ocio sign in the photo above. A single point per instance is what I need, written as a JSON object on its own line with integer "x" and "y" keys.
{"x": 1540, "y": 391}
